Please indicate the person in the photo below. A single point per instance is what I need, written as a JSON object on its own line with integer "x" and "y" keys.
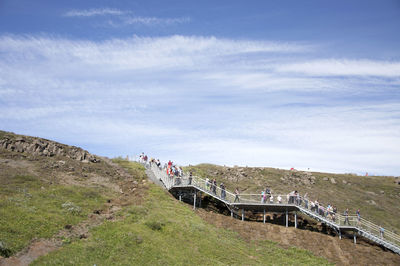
{"x": 346, "y": 217}
{"x": 237, "y": 195}
{"x": 267, "y": 193}
{"x": 312, "y": 205}
{"x": 316, "y": 206}
{"x": 214, "y": 186}
{"x": 306, "y": 200}
{"x": 358, "y": 217}
{"x": 190, "y": 177}
{"x": 297, "y": 197}
{"x": 279, "y": 199}
{"x": 263, "y": 196}
{"x": 271, "y": 198}
{"x": 382, "y": 231}
{"x": 223, "y": 193}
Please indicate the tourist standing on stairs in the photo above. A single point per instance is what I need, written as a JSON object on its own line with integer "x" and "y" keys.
{"x": 346, "y": 217}
{"x": 223, "y": 193}
{"x": 306, "y": 200}
{"x": 237, "y": 195}
{"x": 207, "y": 183}
{"x": 358, "y": 217}
{"x": 263, "y": 196}
{"x": 279, "y": 198}
{"x": 214, "y": 186}
{"x": 190, "y": 177}
{"x": 382, "y": 231}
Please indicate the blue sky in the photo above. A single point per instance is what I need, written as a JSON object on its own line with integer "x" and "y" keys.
{"x": 304, "y": 84}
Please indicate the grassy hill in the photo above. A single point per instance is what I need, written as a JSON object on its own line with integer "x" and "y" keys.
{"x": 62, "y": 205}
{"x": 77, "y": 211}
{"x": 377, "y": 197}
{"x": 164, "y": 231}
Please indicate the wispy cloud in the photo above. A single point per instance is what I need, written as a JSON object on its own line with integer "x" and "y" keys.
{"x": 118, "y": 18}
{"x": 204, "y": 99}
{"x": 95, "y": 12}
{"x": 343, "y": 67}
{"x": 149, "y": 21}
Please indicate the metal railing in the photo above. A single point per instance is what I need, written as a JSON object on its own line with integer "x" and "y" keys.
{"x": 334, "y": 219}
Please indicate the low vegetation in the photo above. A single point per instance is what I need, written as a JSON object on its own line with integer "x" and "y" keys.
{"x": 30, "y": 208}
{"x": 164, "y": 231}
{"x": 377, "y": 197}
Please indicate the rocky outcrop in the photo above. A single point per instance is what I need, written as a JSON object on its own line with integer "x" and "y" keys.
{"x": 44, "y": 147}
{"x": 298, "y": 177}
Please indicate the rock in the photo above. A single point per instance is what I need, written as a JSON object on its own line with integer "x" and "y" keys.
{"x": 371, "y": 193}
{"x": 333, "y": 181}
{"x": 43, "y": 147}
{"x": 68, "y": 226}
{"x": 344, "y": 182}
{"x": 372, "y": 202}
{"x": 325, "y": 179}
{"x": 382, "y": 192}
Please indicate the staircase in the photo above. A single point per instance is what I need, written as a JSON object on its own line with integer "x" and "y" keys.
{"x": 362, "y": 227}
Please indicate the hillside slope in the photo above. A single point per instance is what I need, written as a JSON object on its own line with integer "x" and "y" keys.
{"x": 63, "y": 205}
{"x": 376, "y": 197}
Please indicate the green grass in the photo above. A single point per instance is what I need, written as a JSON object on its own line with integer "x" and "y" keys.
{"x": 30, "y": 208}
{"x": 164, "y": 231}
{"x": 357, "y": 195}
{"x": 135, "y": 169}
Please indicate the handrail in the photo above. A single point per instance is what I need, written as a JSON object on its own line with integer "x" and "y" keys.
{"x": 335, "y": 219}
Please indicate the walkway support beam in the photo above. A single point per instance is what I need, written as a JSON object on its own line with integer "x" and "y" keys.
{"x": 264, "y": 216}
{"x": 200, "y": 200}
{"x": 355, "y": 238}
{"x": 295, "y": 219}
{"x": 194, "y": 200}
{"x": 287, "y": 222}
{"x": 242, "y": 214}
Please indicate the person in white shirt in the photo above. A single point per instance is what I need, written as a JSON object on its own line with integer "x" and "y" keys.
{"x": 279, "y": 199}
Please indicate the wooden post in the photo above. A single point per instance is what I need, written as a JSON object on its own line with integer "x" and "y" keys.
{"x": 264, "y": 216}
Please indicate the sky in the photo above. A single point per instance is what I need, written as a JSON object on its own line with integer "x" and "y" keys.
{"x": 304, "y": 84}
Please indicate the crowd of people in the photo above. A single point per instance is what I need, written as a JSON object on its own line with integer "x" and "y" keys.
{"x": 329, "y": 211}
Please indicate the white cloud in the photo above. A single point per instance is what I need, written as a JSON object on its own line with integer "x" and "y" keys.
{"x": 150, "y": 21}
{"x": 343, "y": 67}
{"x": 203, "y": 99}
{"x": 95, "y": 12}
{"x": 117, "y": 17}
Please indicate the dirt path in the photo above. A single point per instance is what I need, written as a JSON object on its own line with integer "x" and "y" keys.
{"x": 342, "y": 252}
{"x": 129, "y": 190}
{"x": 42, "y": 247}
